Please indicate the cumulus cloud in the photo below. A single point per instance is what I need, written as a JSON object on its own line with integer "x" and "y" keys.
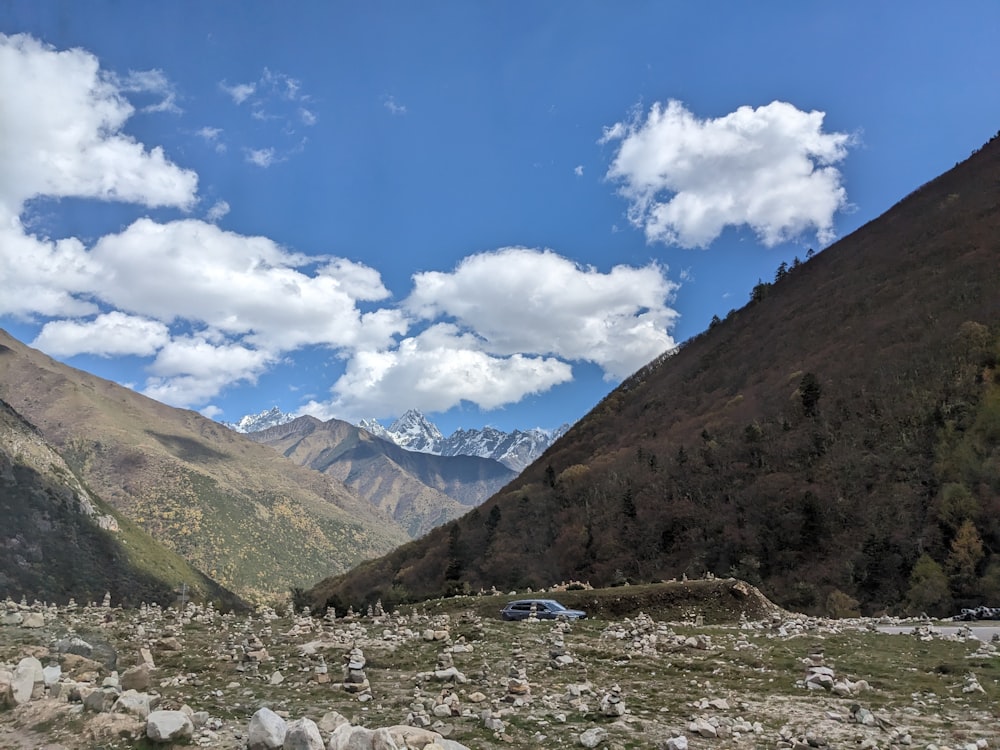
{"x": 48, "y": 275}
{"x": 578, "y": 170}
{"x": 523, "y": 300}
{"x": 241, "y": 286}
{"x": 191, "y": 370}
{"x": 212, "y": 308}
{"x": 436, "y": 370}
{"x": 770, "y": 168}
{"x": 61, "y": 122}
{"x": 110, "y": 335}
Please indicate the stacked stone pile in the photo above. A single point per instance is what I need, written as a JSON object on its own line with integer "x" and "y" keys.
{"x": 821, "y": 676}
{"x": 518, "y": 687}
{"x": 559, "y": 656}
{"x": 355, "y": 679}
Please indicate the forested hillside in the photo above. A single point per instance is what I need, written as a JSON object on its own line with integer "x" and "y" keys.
{"x": 835, "y": 441}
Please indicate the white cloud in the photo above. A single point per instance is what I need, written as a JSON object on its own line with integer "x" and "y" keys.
{"x": 61, "y": 121}
{"x": 241, "y": 286}
{"x": 501, "y": 325}
{"x": 239, "y": 92}
{"x": 212, "y": 136}
{"x": 307, "y": 116}
{"x": 578, "y": 170}
{"x": 153, "y": 82}
{"x": 218, "y": 210}
{"x": 48, "y": 275}
{"x": 523, "y": 300}
{"x": 389, "y": 102}
{"x": 191, "y": 370}
{"x": 434, "y": 371}
{"x": 261, "y": 157}
{"x": 110, "y": 335}
{"x": 770, "y": 168}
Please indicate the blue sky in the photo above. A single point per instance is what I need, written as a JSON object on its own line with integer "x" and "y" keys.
{"x": 491, "y": 212}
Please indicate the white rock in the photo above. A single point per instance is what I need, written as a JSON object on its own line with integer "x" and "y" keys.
{"x": 28, "y": 680}
{"x": 303, "y": 734}
{"x": 677, "y": 743}
{"x": 51, "y": 674}
{"x": 593, "y": 737}
{"x": 703, "y": 727}
{"x": 132, "y": 702}
{"x": 267, "y": 730}
{"x": 350, "y": 737}
{"x": 169, "y": 726}
{"x": 33, "y": 620}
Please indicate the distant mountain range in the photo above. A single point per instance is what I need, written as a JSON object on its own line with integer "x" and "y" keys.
{"x": 414, "y": 432}
{"x": 419, "y": 490}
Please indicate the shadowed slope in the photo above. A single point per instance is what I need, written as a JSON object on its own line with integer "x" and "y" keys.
{"x": 245, "y": 515}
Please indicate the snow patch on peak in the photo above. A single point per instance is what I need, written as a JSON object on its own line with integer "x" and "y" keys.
{"x": 516, "y": 449}
{"x": 257, "y": 422}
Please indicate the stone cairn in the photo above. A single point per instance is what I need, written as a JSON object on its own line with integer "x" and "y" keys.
{"x": 612, "y": 703}
{"x": 518, "y": 688}
{"x": 558, "y": 654}
{"x": 355, "y": 679}
{"x": 418, "y": 715}
{"x": 253, "y": 653}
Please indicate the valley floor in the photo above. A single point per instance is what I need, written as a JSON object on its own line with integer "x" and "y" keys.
{"x": 784, "y": 681}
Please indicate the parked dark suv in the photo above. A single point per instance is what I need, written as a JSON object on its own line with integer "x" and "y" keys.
{"x": 545, "y": 609}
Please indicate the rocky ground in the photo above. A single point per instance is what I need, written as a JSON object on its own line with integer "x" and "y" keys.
{"x": 450, "y": 674}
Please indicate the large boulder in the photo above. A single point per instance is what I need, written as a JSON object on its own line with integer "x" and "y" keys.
{"x": 133, "y": 702}
{"x": 28, "y": 680}
{"x": 267, "y": 731}
{"x": 169, "y": 726}
{"x": 136, "y": 678}
{"x": 350, "y": 737}
{"x": 303, "y": 734}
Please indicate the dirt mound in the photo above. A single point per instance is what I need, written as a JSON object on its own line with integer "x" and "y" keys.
{"x": 718, "y": 601}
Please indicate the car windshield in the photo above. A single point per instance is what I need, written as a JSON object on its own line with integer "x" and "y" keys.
{"x": 555, "y": 606}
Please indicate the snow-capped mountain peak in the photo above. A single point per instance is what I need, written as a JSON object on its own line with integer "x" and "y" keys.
{"x": 415, "y": 432}
{"x": 256, "y": 422}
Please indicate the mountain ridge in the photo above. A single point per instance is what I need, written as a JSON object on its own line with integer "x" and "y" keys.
{"x": 415, "y": 432}
{"x": 419, "y": 490}
{"x": 60, "y": 541}
{"x": 838, "y": 436}
{"x": 238, "y": 511}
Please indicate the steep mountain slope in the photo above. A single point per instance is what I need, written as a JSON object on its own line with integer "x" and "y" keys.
{"x": 59, "y": 541}
{"x": 419, "y": 490}
{"x": 836, "y": 439}
{"x": 245, "y": 515}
